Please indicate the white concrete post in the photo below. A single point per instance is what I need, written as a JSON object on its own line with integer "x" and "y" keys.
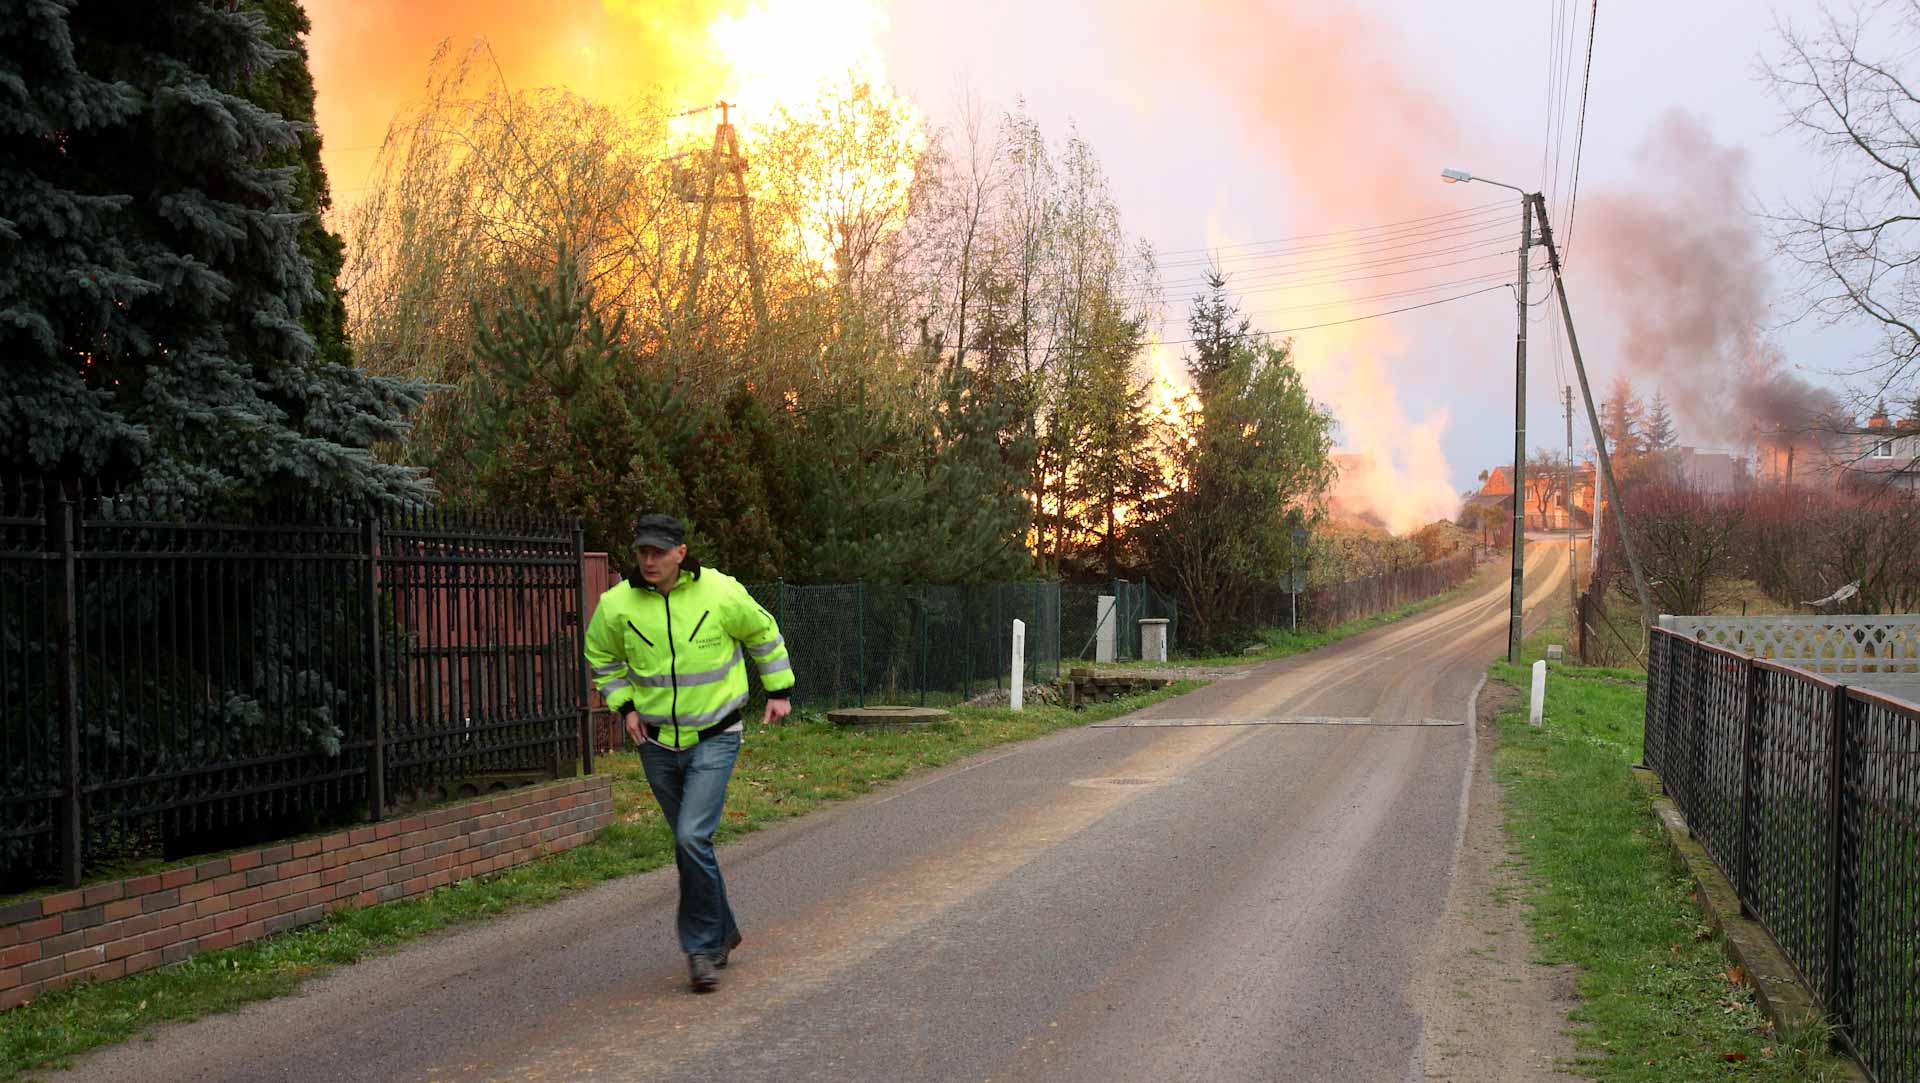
{"x": 1539, "y": 704}
{"x": 1104, "y": 620}
{"x": 1019, "y": 664}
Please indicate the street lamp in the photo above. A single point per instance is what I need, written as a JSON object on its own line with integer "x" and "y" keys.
{"x": 1461, "y": 176}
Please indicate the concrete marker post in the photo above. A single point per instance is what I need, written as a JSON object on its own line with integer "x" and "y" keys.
{"x": 1019, "y": 664}
{"x": 1539, "y": 703}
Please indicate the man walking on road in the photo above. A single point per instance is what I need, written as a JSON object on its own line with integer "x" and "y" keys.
{"x": 669, "y": 654}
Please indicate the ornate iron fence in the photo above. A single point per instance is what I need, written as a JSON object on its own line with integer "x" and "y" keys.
{"x": 1807, "y": 793}
{"x": 171, "y": 680}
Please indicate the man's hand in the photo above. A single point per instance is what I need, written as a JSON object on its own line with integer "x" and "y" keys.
{"x": 632, "y": 719}
{"x": 777, "y": 709}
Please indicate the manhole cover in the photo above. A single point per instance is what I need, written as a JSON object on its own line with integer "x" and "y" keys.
{"x": 887, "y": 716}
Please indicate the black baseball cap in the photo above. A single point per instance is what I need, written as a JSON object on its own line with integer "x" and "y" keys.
{"x": 659, "y": 531}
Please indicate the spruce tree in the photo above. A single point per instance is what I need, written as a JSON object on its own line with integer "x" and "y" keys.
{"x": 1219, "y": 331}
{"x": 1660, "y": 429}
{"x": 158, "y": 315}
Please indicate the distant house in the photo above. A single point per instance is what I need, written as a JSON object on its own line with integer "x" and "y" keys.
{"x": 1886, "y": 455}
{"x": 1708, "y": 471}
{"x": 1882, "y": 455}
{"x": 1552, "y": 504}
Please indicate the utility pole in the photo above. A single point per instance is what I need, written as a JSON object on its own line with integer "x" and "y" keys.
{"x": 1593, "y": 418}
{"x": 1573, "y": 585}
{"x": 1520, "y": 435}
{"x": 725, "y": 157}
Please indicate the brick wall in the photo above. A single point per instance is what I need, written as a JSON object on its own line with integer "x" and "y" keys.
{"x": 125, "y": 926}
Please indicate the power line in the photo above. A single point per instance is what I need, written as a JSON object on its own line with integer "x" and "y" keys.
{"x": 1267, "y": 274}
{"x": 1381, "y": 244}
{"x": 1470, "y": 280}
{"x": 1317, "y": 268}
{"x": 1356, "y": 319}
{"x": 1580, "y": 138}
{"x": 1478, "y": 208}
{"x": 1237, "y": 287}
{"x": 1553, "y": 67}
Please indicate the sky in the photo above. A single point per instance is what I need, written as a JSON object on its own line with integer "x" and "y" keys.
{"x": 1225, "y": 124}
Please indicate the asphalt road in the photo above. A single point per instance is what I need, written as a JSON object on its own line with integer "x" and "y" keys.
{"x": 1131, "y": 902}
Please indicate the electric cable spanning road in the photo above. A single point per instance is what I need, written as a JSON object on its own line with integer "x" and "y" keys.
{"x": 1120, "y": 902}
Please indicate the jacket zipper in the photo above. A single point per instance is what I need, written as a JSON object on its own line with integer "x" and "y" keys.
{"x": 673, "y": 669}
{"x": 697, "y": 624}
{"x": 641, "y": 634}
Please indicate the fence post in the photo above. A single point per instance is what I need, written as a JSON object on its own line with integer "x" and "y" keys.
{"x": 1696, "y": 721}
{"x": 1749, "y": 742}
{"x": 966, "y": 633}
{"x": 370, "y": 597}
{"x": 60, "y": 515}
{"x": 585, "y": 697}
{"x": 1836, "y": 865}
{"x": 923, "y": 645}
{"x": 1059, "y": 619}
{"x": 860, "y": 639}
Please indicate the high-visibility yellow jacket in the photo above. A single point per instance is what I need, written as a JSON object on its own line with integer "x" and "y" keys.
{"x": 679, "y": 659}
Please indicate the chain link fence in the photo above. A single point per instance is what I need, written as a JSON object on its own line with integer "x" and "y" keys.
{"x": 859, "y": 644}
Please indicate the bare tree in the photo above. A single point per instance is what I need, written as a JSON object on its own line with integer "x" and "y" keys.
{"x": 1857, "y": 240}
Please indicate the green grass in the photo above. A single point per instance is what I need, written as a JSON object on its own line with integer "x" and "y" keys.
{"x": 1284, "y": 643}
{"x": 1658, "y": 1004}
{"x": 784, "y": 771}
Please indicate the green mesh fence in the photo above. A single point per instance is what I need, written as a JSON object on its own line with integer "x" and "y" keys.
{"x": 870, "y": 644}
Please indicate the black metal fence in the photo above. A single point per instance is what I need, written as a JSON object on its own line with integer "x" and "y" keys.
{"x": 172, "y": 681}
{"x": 870, "y": 643}
{"x": 1807, "y": 793}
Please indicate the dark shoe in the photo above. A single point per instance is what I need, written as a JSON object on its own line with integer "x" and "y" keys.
{"x": 701, "y": 974}
{"x": 733, "y": 942}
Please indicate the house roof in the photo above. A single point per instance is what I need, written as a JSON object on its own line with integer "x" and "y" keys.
{"x": 1499, "y": 483}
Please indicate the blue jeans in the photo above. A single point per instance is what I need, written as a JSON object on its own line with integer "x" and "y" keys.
{"x": 691, "y": 786}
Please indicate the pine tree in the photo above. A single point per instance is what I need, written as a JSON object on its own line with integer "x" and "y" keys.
{"x": 1258, "y": 456}
{"x": 1218, "y": 331}
{"x": 1660, "y": 428}
{"x": 1112, "y": 468}
{"x": 158, "y": 315}
{"x": 1624, "y": 420}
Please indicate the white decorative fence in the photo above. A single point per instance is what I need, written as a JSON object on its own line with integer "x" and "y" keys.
{"x": 1823, "y": 644}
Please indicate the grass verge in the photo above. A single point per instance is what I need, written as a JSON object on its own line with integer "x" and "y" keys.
{"x": 1659, "y": 998}
{"x": 784, "y": 771}
{"x": 1284, "y": 643}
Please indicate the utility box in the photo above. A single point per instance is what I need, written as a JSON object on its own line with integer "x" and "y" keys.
{"x": 1153, "y": 639}
{"x": 1105, "y": 621}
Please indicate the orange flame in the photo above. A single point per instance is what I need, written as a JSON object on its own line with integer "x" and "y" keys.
{"x": 773, "y": 58}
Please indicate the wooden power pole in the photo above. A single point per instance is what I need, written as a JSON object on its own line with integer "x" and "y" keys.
{"x": 1593, "y": 418}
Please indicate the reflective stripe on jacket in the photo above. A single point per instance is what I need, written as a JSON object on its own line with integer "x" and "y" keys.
{"x": 679, "y": 659}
